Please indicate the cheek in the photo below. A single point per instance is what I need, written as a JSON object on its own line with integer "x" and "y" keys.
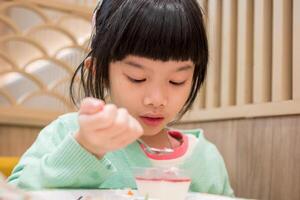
{"x": 122, "y": 94}
{"x": 181, "y": 96}
{"x": 116, "y": 91}
{"x": 178, "y": 102}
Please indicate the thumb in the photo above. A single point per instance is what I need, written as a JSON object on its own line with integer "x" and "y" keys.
{"x": 90, "y": 106}
{"x": 135, "y": 125}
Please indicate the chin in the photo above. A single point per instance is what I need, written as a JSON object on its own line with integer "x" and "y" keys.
{"x": 148, "y": 131}
{"x": 150, "y": 134}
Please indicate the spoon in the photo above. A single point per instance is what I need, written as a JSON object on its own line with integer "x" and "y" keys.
{"x": 155, "y": 150}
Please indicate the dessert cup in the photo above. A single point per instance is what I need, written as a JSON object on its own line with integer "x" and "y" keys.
{"x": 162, "y": 183}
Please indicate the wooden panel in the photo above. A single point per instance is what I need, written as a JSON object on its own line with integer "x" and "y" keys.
{"x": 56, "y": 5}
{"x": 228, "y": 60}
{"x": 214, "y": 40}
{"x": 262, "y": 155}
{"x": 285, "y": 159}
{"x": 262, "y": 50}
{"x": 296, "y": 49}
{"x": 26, "y": 116}
{"x": 282, "y": 50}
{"x": 14, "y": 140}
{"x": 254, "y": 158}
{"x": 246, "y": 111}
{"x": 227, "y": 146}
{"x": 245, "y": 52}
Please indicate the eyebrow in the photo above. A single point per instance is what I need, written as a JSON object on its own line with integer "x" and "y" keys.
{"x": 182, "y": 68}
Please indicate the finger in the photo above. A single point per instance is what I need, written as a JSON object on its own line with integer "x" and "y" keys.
{"x": 121, "y": 124}
{"x": 135, "y": 126}
{"x": 122, "y": 140}
{"x": 91, "y": 106}
{"x": 100, "y": 120}
{"x": 134, "y": 131}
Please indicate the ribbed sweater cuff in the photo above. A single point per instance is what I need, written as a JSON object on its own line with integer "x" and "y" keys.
{"x": 74, "y": 160}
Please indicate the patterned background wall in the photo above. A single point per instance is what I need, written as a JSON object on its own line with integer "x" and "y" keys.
{"x": 39, "y": 48}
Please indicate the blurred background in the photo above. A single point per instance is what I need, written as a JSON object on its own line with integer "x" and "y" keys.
{"x": 249, "y": 105}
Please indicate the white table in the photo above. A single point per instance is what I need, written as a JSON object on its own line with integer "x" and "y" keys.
{"x": 107, "y": 195}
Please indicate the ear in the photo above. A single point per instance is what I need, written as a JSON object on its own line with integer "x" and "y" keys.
{"x": 88, "y": 64}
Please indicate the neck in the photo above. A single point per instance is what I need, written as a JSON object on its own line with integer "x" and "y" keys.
{"x": 161, "y": 140}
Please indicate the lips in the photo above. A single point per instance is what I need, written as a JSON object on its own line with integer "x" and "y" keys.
{"x": 152, "y": 120}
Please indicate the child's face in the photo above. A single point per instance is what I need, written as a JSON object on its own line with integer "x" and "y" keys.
{"x": 152, "y": 91}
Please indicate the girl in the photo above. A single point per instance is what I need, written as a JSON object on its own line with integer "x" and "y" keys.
{"x": 148, "y": 59}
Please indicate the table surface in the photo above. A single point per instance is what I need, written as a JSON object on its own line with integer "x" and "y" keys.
{"x": 108, "y": 195}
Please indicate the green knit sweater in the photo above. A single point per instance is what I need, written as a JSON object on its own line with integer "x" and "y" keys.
{"x": 56, "y": 160}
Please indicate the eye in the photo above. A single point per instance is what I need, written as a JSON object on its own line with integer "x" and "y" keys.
{"x": 177, "y": 83}
{"x": 136, "y": 80}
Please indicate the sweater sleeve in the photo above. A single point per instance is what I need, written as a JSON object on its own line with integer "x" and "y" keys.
{"x": 223, "y": 186}
{"x": 227, "y": 190}
{"x": 56, "y": 160}
{"x": 207, "y": 169}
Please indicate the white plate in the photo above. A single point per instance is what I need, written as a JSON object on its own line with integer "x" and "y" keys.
{"x": 108, "y": 195}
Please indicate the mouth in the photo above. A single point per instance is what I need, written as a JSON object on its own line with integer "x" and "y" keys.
{"x": 152, "y": 121}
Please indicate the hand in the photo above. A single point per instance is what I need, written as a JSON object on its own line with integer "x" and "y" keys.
{"x": 105, "y": 128}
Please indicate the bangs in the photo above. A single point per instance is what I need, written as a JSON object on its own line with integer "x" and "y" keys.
{"x": 160, "y": 30}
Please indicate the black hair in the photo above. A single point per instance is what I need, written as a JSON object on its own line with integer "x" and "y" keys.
{"x": 156, "y": 29}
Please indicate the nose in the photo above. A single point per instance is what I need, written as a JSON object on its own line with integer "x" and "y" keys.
{"x": 155, "y": 97}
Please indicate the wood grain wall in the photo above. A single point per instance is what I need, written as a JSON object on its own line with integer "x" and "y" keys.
{"x": 262, "y": 155}
{"x": 14, "y": 140}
